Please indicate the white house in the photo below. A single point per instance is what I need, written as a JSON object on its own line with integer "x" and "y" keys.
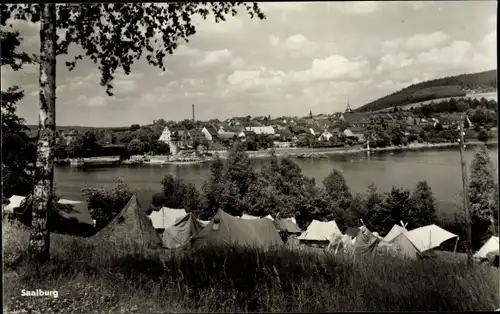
{"x": 325, "y": 136}
{"x": 348, "y": 133}
{"x": 166, "y": 135}
{"x": 269, "y": 130}
{"x": 210, "y": 133}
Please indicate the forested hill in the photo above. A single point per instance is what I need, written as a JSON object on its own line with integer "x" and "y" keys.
{"x": 451, "y": 86}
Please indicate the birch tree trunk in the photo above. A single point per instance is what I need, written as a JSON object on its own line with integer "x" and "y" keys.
{"x": 44, "y": 174}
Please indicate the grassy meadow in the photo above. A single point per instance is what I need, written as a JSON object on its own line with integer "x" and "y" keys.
{"x": 103, "y": 277}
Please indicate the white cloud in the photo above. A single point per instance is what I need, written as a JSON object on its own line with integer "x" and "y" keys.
{"x": 274, "y": 40}
{"x": 426, "y": 41}
{"x": 239, "y": 63}
{"x": 394, "y": 61}
{"x": 369, "y": 7}
{"x": 96, "y": 101}
{"x": 298, "y": 45}
{"x": 453, "y": 55}
{"x": 296, "y": 42}
{"x": 391, "y": 46}
{"x": 489, "y": 42}
{"x": 185, "y": 51}
{"x": 122, "y": 86}
{"x": 357, "y": 7}
{"x": 245, "y": 80}
{"x": 335, "y": 67}
{"x": 232, "y": 25}
{"x": 163, "y": 73}
{"x": 215, "y": 57}
{"x": 283, "y": 6}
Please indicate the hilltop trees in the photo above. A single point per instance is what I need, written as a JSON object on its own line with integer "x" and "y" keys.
{"x": 112, "y": 35}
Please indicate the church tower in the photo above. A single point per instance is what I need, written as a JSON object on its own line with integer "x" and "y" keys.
{"x": 348, "y": 109}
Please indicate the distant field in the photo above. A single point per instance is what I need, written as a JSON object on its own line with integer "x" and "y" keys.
{"x": 492, "y": 95}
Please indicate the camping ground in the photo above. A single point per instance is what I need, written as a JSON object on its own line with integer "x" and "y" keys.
{"x": 98, "y": 277}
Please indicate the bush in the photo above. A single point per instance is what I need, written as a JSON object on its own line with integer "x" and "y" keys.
{"x": 482, "y": 136}
{"x": 91, "y": 277}
{"x": 104, "y": 203}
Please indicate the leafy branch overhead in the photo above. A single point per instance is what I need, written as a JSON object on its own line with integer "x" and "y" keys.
{"x": 115, "y": 35}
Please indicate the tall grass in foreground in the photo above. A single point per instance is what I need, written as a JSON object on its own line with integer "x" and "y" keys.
{"x": 99, "y": 277}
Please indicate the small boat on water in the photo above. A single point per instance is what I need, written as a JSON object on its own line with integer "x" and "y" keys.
{"x": 184, "y": 162}
{"x": 312, "y": 156}
{"x": 132, "y": 162}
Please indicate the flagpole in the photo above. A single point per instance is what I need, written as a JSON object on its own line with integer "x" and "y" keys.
{"x": 465, "y": 194}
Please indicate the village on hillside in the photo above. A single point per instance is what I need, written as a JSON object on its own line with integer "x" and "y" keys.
{"x": 430, "y": 123}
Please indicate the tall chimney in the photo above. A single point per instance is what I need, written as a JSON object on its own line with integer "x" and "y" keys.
{"x": 193, "y": 112}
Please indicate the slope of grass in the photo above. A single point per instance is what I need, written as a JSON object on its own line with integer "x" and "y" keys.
{"x": 454, "y": 86}
{"x": 103, "y": 277}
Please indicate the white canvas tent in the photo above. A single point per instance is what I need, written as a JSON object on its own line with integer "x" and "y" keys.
{"x": 292, "y": 219}
{"x": 16, "y": 200}
{"x": 69, "y": 202}
{"x": 421, "y": 240}
{"x": 395, "y": 231}
{"x": 246, "y": 216}
{"x": 166, "y": 217}
{"x": 321, "y": 232}
{"x": 490, "y": 246}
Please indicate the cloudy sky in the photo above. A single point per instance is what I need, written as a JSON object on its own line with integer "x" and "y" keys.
{"x": 304, "y": 56}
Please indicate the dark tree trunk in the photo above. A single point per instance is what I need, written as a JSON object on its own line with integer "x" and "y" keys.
{"x": 44, "y": 174}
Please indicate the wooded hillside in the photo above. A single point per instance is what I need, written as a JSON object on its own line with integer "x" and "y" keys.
{"x": 452, "y": 86}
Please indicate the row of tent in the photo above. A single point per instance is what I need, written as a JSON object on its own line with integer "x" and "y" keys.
{"x": 174, "y": 228}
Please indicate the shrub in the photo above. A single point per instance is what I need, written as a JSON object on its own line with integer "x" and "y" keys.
{"x": 104, "y": 203}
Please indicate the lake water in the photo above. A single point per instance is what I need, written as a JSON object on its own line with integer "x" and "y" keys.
{"x": 441, "y": 169}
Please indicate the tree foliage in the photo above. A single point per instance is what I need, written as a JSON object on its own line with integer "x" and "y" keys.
{"x": 105, "y": 203}
{"x": 115, "y": 35}
{"x": 18, "y": 151}
{"x": 424, "y": 206}
{"x": 483, "y": 196}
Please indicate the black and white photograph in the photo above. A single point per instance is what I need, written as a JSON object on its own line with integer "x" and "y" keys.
{"x": 190, "y": 157}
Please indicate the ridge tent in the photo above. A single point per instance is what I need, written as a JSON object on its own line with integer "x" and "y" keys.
{"x": 366, "y": 241}
{"x": 176, "y": 235}
{"x": 204, "y": 222}
{"x": 287, "y": 226}
{"x": 320, "y": 233}
{"x": 421, "y": 241}
{"x": 65, "y": 216}
{"x": 131, "y": 226}
{"x": 491, "y": 245}
{"x": 166, "y": 217}
{"x": 226, "y": 229}
{"x": 395, "y": 231}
